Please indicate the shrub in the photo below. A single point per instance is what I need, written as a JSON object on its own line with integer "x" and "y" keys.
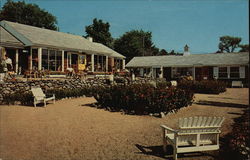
{"x": 24, "y": 98}
{"x": 237, "y": 143}
{"x": 205, "y": 86}
{"x": 143, "y": 98}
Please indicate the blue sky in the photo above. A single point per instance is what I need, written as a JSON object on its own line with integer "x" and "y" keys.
{"x": 173, "y": 23}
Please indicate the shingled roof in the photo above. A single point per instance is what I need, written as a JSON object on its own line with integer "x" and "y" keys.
{"x": 7, "y": 39}
{"x": 34, "y": 36}
{"x": 211, "y": 59}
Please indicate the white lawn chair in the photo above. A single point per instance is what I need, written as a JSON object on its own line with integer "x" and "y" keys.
{"x": 194, "y": 134}
{"x": 40, "y": 97}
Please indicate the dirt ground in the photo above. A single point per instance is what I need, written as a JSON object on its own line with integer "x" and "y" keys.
{"x": 72, "y": 130}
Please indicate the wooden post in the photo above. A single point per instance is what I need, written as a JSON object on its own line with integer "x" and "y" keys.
{"x": 107, "y": 63}
{"x": 39, "y": 59}
{"x": 16, "y": 67}
{"x": 92, "y": 63}
{"x": 123, "y": 64}
{"x": 161, "y": 70}
{"x": 30, "y": 59}
{"x": 62, "y": 60}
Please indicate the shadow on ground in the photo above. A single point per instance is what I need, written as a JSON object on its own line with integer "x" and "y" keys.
{"x": 221, "y": 104}
{"x": 157, "y": 151}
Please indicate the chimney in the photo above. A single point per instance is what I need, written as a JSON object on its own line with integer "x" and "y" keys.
{"x": 186, "y": 50}
{"x": 90, "y": 39}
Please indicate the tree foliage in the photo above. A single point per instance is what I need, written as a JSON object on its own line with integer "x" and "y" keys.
{"x": 135, "y": 43}
{"x": 244, "y": 48}
{"x": 99, "y": 31}
{"x": 29, "y": 14}
{"x": 229, "y": 44}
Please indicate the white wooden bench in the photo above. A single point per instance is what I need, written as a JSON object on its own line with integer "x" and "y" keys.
{"x": 237, "y": 84}
{"x": 194, "y": 134}
{"x": 40, "y": 97}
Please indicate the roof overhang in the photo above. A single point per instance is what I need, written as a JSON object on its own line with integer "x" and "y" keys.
{"x": 16, "y": 34}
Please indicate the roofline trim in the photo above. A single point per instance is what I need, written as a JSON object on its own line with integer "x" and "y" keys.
{"x": 16, "y": 34}
{"x": 210, "y": 65}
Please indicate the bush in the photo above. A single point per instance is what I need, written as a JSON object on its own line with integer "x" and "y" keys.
{"x": 25, "y": 98}
{"x": 64, "y": 93}
{"x": 143, "y": 98}
{"x": 206, "y": 86}
{"x": 237, "y": 143}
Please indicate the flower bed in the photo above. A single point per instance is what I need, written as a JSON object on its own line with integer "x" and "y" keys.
{"x": 206, "y": 86}
{"x": 143, "y": 98}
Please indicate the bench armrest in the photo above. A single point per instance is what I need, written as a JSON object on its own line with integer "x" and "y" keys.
{"x": 169, "y": 129}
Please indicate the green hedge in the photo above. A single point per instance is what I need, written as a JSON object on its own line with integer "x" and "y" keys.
{"x": 205, "y": 86}
{"x": 25, "y": 98}
{"x": 143, "y": 98}
{"x": 135, "y": 98}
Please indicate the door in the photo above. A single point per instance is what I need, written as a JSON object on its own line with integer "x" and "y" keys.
{"x": 167, "y": 73}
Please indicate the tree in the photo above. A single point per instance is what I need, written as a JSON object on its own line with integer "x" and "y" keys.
{"x": 229, "y": 44}
{"x": 99, "y": 31}
{"x": 29, "y": 14}
{"x": 135, "y": 43}
{"x": 244, "y": 48}
{"x": 163, "y": 52}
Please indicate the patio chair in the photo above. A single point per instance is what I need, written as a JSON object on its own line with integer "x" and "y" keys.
{"x": 195, "y": 134}
{"x": 40, "y": 97}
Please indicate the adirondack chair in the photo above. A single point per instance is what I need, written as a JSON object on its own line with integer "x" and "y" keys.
{"x": 40, "y": 97}
{"x": 194, "y": 134}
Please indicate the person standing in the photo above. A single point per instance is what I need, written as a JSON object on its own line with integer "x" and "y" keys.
{"x": 3, "y": 69}
{"x": 9, "y": 63}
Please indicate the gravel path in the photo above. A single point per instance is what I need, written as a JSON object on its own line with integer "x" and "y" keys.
{"x": 71, "y": 130}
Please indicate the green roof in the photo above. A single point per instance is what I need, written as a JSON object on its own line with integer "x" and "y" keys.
{"x": 40, "y": 37}
{"x": 211, "y": 59}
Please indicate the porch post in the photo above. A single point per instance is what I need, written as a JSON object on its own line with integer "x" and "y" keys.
{"x": 31, "y": 66}
{"x": 16, "y": 67}
{"x": 92, "y": 62}
{"x": 161, "y": 70}
{"x": 107, "y": 63}
{"x": 39, "y": 59}
{"x": 194, "y": 72}
{"x": 62, "y": 60}
{"x": 123, "y": 63}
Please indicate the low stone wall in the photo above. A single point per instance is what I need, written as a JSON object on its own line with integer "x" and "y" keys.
{"x": 11, "y": 87}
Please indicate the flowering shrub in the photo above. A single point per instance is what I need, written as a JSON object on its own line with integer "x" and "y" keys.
{"x": 237, "y": 143}
{"x": 143, "y": 98}
{"x": 205, "y": 86}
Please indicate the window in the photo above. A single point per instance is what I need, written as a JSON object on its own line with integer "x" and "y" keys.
{"x": 45, "y": 59}
{"x": 234, "y": 72}
{"x": 34, "y": 59}
{"x": 51, "y": 60}
{"x": 182, "y": 71}
{"x": 222, "y": 72}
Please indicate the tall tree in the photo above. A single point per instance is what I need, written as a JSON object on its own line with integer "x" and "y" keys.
{"x": 244, "y": 48}
{"x": 99, "y": 31}
{"x": 29, "y": 14}
{"x": 229, "y": 44}
{"x": 135, "y": 43}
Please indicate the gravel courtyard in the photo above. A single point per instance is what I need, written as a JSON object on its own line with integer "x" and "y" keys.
{"x": 72, "y": 130}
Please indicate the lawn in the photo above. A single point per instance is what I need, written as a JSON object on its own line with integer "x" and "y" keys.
{"x": 72, "y": 130}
